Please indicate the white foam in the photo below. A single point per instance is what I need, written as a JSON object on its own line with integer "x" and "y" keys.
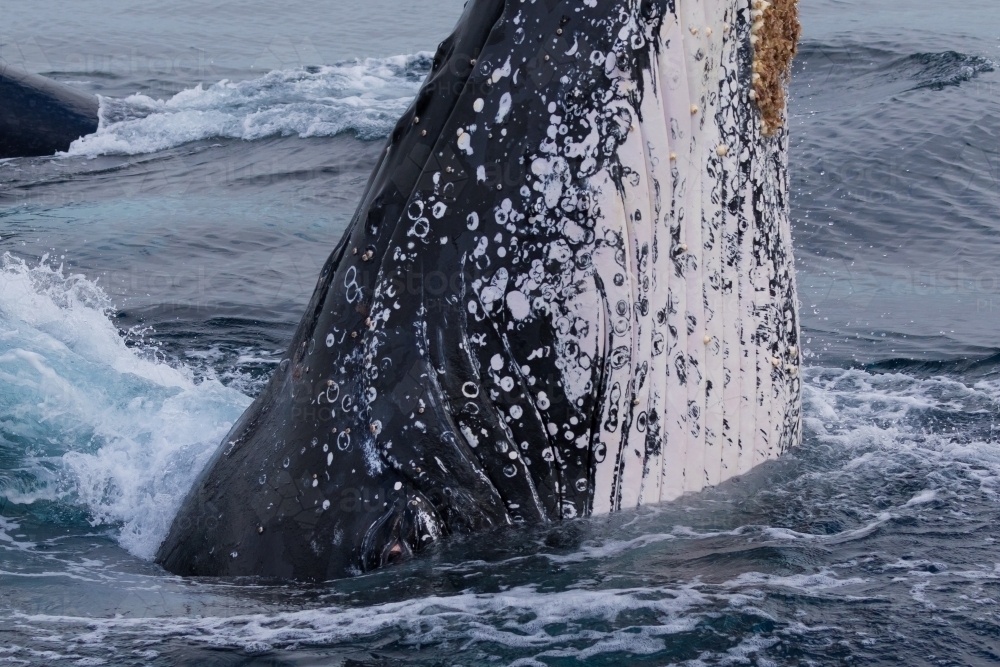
{"x": 521, "y": 617}
{"x": 108, "y": 426}
{"x": 363, "y": 96}
{"x": 609, "y": 549}
{"x": 805, "y": 583}
{"x": 891, "y": 421}
{"x": 925, "y": 496}
{"x": 8, "y": 541}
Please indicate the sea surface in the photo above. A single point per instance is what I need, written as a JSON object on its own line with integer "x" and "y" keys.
{"x": 151, "y": 278}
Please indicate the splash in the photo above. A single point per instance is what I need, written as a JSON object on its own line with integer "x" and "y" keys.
{"x": 361, "y": 96}
{"x": 86, "y": 419}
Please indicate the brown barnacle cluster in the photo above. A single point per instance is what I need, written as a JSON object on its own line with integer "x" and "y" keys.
{"x": 774, "y": 36}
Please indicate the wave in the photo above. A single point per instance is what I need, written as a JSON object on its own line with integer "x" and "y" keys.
{"x": 921, "y": 70}
{"x": 852, "y": 73}
{"x": 938, "y": 70}
{"x": 365, "y": 97}
{"x": 90, "y": 419}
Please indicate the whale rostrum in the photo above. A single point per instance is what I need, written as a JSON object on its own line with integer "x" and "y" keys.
{"x": 568, "y": 290}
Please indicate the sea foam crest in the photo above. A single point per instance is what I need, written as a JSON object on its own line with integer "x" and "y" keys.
{"x": 361, "y": 96}
{"x": 89, "y": 420}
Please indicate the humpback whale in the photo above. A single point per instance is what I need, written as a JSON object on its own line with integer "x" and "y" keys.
{"x": 39, "y": 116}
{"x": 568, "y": 290}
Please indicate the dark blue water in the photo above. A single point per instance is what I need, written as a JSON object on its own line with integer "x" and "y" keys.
{"x": 153, "y": 276}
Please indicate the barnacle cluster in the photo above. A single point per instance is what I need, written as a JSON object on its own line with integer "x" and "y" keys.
{"x": 774, "y": 36}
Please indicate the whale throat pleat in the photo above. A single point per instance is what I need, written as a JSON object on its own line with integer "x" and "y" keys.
{"x": 712, "y": 379}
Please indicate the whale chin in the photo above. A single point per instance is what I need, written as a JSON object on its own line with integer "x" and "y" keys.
{"x": 39, "y": 116}
{"x": 568, "y": 290}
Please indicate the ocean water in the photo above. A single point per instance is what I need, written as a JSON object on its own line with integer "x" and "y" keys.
{"x": 151, "y": 277}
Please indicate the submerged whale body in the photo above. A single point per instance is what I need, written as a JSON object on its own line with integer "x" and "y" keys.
{"x": 39, "y": 116}
{"x": 567, "y": 291}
